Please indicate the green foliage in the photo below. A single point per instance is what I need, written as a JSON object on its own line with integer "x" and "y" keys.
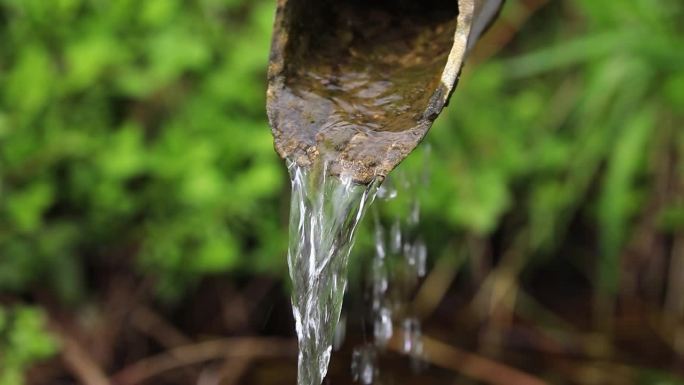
{"x": 135, "y": 129}
{"x": 23, "y": 340}
{"x": 570, "y": 128}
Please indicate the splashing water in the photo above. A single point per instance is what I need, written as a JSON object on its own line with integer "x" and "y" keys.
{"x": 324, "y": 214}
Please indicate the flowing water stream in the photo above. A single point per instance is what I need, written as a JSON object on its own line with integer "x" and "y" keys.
{"x": 324, "y": 214}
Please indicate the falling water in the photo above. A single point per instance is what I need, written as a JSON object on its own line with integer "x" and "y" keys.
{"x": 324, "y": 214}
{"x": 394, "y": 272}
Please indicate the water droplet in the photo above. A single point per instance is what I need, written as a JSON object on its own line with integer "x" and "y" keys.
{"x": 414, "y": 217}
{"x": 364, "y": 366}
{"x": 412, "y": 336}
{"x": 416, "y": 257}
{"x": 409, "y": 254}
{"x": 412, "y": 343}
{"x": 421, "y": 258}
{"x": 380, "y": 248}
{"x": 382, "y": 327}
{"x": 387, "y": 191}
{"x": 380, "y": 281}
{"x": 395, "y": 237}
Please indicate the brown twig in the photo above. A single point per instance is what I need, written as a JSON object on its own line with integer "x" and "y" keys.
{"x": 433, "y": 290}
{"x": 233, "y": 370}
{"x": 237, "y": 348}
{"x": 148, "y": 322}
{"x": 494, "y": 291}
{"x": 79, "y": 362}
{"x": 472, "y": 365}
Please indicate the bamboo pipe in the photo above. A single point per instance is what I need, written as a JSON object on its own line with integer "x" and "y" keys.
{"x": 358, "y": 83}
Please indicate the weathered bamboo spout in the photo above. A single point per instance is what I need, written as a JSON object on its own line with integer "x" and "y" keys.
{"x": 361, "y": 81}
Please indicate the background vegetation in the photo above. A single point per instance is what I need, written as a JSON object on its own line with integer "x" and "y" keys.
{"x": 133, "y": 143}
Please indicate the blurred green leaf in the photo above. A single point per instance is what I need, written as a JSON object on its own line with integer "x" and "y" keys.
{"x": 24, "y": 342}
{"x": 619, "y": 198}
{"x": 30, "y": 82}
{"x": 674, "y": 90}
{"x": 26, "y": 207}
{"x": 89, "y": 58}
